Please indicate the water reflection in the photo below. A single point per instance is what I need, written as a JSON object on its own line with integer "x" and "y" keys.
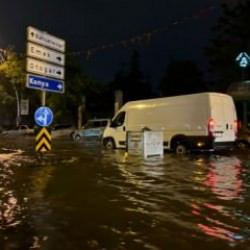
{"x": 223, "y": 177}
{"x": 10, "y": 209}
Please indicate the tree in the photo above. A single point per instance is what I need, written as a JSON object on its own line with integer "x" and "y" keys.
{"x": 77, "y": 87}
{"x": 7, "y": 102}
{"x": 182, "y": 77}
{"x": 64, "y": 106}
{"x": 231, "y": 36}
{"x": 131, "y": 80}
{"x": 137, "y": 86}
{"x": 13, "y": 72}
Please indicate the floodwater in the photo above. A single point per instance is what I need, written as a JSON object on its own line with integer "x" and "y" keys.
{"x": 81, "y": 197}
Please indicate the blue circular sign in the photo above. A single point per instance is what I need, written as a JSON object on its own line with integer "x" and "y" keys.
{"x": 43, "y": 116}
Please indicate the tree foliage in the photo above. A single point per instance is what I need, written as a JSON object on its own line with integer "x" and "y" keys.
{"x": 132, "y": 81}
{"x": 12, "y": 84}
{"x": 14, "y": 68}
{"x": 64, "y": 106}
{"x": 78, "y": 86}
{"x": 7, "y": 101}
{"x": 181, "y": 77}
{"x": 231, "y": 36}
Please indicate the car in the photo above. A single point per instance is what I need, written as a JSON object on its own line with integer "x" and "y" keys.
{"x": 92, "y": 129}
{"x": 61, "y": 130}
{"x": 22, "y": 129}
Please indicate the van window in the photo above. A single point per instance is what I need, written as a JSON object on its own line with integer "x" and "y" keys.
{"x": 119, "y": 120}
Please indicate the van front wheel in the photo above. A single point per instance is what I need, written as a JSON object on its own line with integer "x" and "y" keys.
{"x": 180, "y": 149}
{"x": 109, "y": 144}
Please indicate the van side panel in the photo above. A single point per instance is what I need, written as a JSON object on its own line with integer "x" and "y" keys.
{"x": 174, "y": 116}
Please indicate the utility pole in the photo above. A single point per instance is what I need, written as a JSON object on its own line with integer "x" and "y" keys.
{"x": 43, "y": 96}
{"x": 118, "y": 100}
{"x": 17, "y": 104}
{"x": 81, "y": 111}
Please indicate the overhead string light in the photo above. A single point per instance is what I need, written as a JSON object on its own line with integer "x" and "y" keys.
{"x": 144, "y": 38}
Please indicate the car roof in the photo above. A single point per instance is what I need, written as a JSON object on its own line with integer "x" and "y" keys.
{"x": 101, "y": 119}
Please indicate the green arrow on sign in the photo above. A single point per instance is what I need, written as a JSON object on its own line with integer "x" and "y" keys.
{"x": 243, "y": 60}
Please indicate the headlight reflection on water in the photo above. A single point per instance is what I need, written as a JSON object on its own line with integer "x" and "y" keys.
{"x": 222, "y": 176}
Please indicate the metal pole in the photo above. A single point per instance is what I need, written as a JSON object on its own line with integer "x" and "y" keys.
{"x": 17, "y": 105}
{"x": 243, "y": 74}
{"x": 245, "y": 113}
{"x": 118, "y": 100}
{"x": 79, "y": 120}
{"x": 43, "y": 98}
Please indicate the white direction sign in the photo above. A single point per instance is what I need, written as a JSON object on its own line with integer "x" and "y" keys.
{"x": 45, "y": 39}
{"x": 45, "y": 54}
{"x": 45, "y": 69}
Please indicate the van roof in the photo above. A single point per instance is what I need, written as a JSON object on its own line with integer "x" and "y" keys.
{"x": 148, "y": 101}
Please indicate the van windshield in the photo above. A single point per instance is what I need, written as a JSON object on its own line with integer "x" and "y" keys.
{"x": 119, "y": 120}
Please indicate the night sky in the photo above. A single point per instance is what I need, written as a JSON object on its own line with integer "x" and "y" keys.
{"x": 86, "y": 24}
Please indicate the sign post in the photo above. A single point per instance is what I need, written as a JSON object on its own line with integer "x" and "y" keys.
{"x": 43, "y": 118}
{"x": 45, "y": 67}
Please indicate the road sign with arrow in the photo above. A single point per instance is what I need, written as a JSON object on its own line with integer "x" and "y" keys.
{"x": 42, "y": 53}
{"x": 43, "y": 116}
{"x": 44, "y": 83}
{"x": 43, "y": 38}
{"x": 45, "y": 69}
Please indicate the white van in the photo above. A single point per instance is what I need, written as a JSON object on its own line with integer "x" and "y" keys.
{"x": 204, "y": 121}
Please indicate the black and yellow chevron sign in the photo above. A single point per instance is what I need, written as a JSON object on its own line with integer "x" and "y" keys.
{"x": 43, "y": 140}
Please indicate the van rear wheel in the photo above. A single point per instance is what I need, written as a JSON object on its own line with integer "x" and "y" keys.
{"x": 109, "y": 144}
{"x": 180, "y": 149}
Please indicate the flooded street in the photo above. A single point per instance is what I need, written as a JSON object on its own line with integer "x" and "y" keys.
{"x": 80, "y": 196}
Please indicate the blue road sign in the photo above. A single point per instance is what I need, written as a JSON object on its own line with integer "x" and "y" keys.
{"x": 43, "y": 116}
{"x": 44, "y": 83}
